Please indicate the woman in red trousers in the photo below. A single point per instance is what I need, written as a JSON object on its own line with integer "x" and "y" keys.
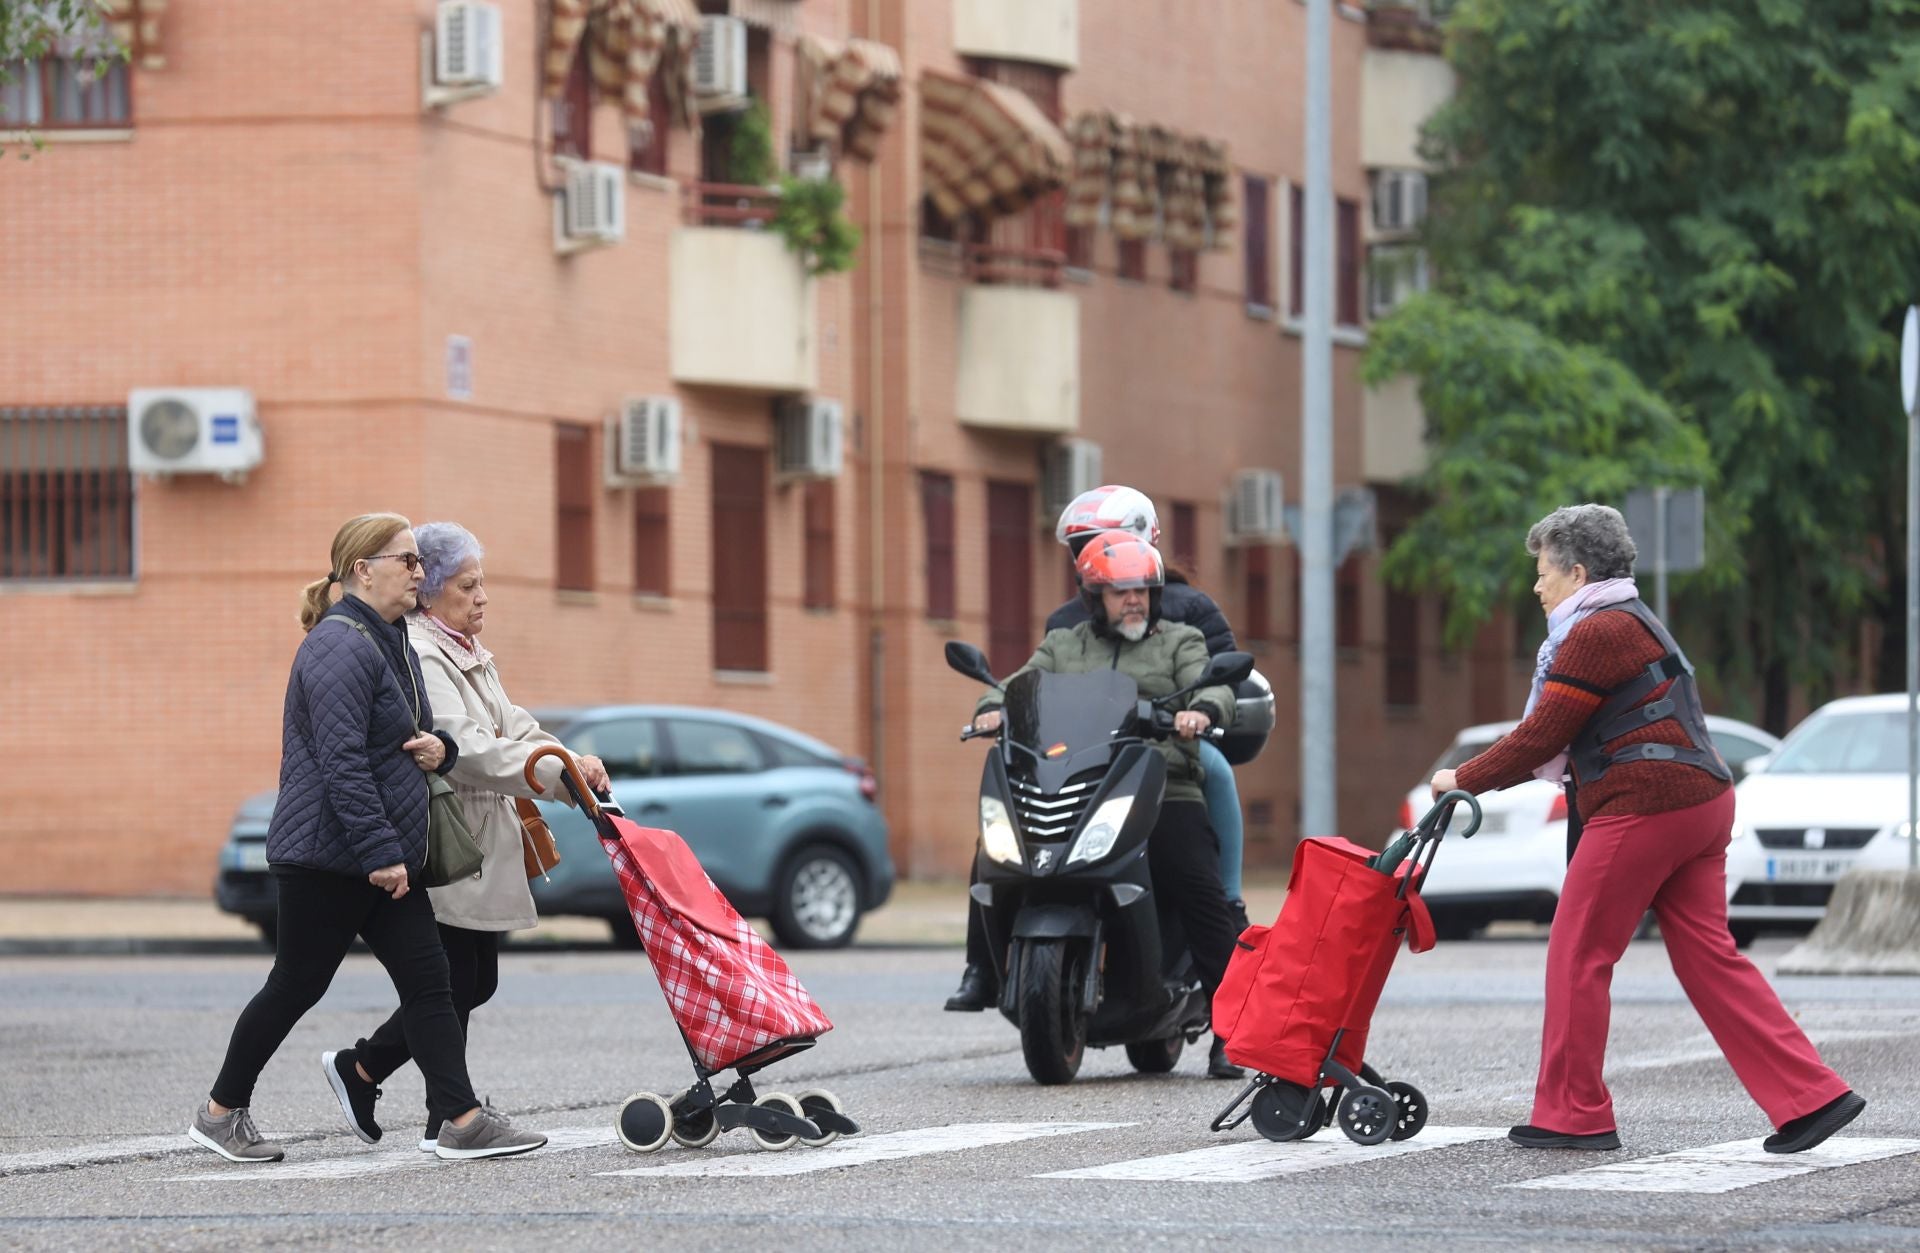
{"x": 1614, "y": 705}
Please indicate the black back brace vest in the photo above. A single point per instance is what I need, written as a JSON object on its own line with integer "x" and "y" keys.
{"x": 1622, "y": 712}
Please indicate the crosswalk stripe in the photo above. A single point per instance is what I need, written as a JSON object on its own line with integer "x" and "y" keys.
{"x": 864, "y": 1149}
{"x": 1720, "y": 1167}
{"x": 1246, "y": 1162}
{"x": 382, "y": 1161}
{"x": 97, "y": 1154}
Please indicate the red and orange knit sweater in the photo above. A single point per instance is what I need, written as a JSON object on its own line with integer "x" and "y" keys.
{"x": 1599, "y": 655}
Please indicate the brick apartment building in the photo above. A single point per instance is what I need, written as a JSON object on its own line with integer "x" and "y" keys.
{"x": 477, "y": 302}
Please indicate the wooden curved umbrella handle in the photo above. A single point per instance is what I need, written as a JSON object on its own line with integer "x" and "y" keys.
{"x": 571, "y": 769}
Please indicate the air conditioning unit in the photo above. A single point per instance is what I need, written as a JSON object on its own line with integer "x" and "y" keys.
{"x": 465, "y": 57}
{"x": 720, "y": 64}
{"x": 591, "y": 209}
{"x": 192, "y": 430}
{"x": 1254, "y": 510}
{"x": 643, "y": 442}
{"x": 807, "y": 439}
{"x": 1399, "y": 199}
{"x": 1067, "y": 469}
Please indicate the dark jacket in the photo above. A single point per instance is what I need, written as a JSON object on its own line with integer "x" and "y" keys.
{"x": 1179, "y": 602}
{"x": 351, "y": 801}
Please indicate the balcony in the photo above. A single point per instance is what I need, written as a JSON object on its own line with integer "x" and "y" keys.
{"x": 1019, "y": 360}
{"x": 1400, "y": 88}
{"x": 1042, "y": 31}
{"x": 742, "y": 311}
{"x": 1394, "y": 443}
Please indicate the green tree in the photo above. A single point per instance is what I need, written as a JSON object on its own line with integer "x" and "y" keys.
{"x": 1722, "y": 197}
{"x": 31, "y": 29}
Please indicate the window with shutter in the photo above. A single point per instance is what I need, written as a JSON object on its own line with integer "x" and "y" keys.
{"x": 66, "y": 495}
{"x": 1185, "y": 544}
{"x": 1256, "y": 622}
{"x": 1346, "y": 604}
{"x": 1346, "y": 300}
{"x": 739, "y": 495}
{"x": 652, "y": 547}
{"x": 573, "y": 489}
{"x": 1257, "y": 227}
{"x": 1010, "y": 535}
{"x": 936, "y": 516}
{"x": 1403, "y": 648}
{"x": 818, "y": 591}
{"x": 573, "y": 111}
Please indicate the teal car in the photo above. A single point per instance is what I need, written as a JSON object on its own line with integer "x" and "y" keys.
{"x": 785, "y": 825}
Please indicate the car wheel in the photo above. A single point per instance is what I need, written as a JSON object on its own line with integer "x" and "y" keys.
{"x": 622, "y": 929}
{"x": 816, "y": 903}
{"x": 1451, "y": 924}
{"x": 269, "y": 931}
{"x": 1744, "y": 933}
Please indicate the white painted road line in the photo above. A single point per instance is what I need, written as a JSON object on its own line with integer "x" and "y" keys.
{"x": 893, "y": 1146}
{"x": 1246, "y": 1162}
{"x": 382, "y": 1161}
{"x": 1720, "y": 1167}
{"x": 95, "y": 1154}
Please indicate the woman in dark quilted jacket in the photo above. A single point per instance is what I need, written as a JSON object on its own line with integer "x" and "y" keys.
{"x": 349, "y": 833}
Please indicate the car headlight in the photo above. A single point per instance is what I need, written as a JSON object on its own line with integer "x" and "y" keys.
{"x": 1097, "y": 840}
{"x": 996, "y": 832}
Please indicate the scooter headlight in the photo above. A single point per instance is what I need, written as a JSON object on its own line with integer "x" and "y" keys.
{"x": 996, "y": 832}
{"x": 1098, "y": 839}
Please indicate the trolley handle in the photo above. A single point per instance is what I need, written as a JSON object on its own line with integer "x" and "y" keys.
{"x": 1438, "y": 819}
{"x": 589, "y": 801}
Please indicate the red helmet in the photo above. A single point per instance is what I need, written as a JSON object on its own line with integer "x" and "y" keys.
{"x": 1119, "y": 559}
{"x": 1105, "y": 509}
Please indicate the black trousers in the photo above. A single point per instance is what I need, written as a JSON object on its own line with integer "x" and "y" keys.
{"x": 473, "y": 966}
{"x": 320, "y": 913}
{"x": 1184, "y": 855}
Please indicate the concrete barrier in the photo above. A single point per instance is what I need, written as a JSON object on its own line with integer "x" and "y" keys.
{"x": 1872, "y": 927}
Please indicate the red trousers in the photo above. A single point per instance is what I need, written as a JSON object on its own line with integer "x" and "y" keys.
{"x": 1676, "y": 863}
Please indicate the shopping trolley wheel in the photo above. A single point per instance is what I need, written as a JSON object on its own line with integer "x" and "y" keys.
{"x": 1285, "y": 1111}
{"x": 786, "y": 1105}
{"x": 826, "y": 1112}
{"x": 1366, "y": 1114}
{"x": 694, "y": 1130}
{"x": 1410, "y": 1110}
{"x": 645, "y": 1120}
{"x": 1322, "y": 1115}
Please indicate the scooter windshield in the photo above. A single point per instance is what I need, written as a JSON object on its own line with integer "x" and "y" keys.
{"x": 1067, "y": 721}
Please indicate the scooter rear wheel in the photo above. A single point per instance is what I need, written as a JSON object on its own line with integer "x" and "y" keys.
{"x": 1155, "y": 1057}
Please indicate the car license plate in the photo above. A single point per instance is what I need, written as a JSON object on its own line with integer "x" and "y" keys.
{"x": 253, "y": 856}
{"x": 1806, "y": 869}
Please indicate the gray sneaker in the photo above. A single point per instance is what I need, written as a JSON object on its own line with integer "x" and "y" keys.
{"x": 233, "y": 1137}
{"x": 490, "y": 1134}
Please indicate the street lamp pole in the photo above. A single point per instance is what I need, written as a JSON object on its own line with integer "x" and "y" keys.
{"x": 1317, "y": 714}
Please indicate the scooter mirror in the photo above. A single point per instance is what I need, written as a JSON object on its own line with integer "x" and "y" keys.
{"x": 1229, "y": 667}
{"x": 971, "y": 662}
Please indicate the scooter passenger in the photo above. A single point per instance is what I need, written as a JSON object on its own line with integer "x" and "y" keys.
{"x": 1122, "y": 577}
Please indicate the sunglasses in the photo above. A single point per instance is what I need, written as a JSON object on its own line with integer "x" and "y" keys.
{"x": 410, "y": 560}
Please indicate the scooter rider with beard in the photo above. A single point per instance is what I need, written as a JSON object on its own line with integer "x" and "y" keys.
{"x": 1121, "y": 578}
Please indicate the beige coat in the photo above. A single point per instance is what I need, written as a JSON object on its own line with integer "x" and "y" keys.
{"x": 495, "y": 737}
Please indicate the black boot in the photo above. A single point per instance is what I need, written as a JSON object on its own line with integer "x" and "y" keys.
{"x": 1218, "y": 1067}
{"x": 975, "y": 992}
{"x": 1237, "y": 914}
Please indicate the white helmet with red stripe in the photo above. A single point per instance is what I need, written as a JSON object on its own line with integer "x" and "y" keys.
{"x": 1108, "y": 508}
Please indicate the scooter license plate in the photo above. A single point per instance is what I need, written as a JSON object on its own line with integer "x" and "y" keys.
{"x": 1805, "y": 869}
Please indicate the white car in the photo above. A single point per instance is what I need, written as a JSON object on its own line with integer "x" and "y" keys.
{"x": 1832, "y": 798}
{"x": 1514, "y": 865}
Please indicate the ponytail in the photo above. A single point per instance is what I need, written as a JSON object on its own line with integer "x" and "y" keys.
{"x": 315, "y": 600}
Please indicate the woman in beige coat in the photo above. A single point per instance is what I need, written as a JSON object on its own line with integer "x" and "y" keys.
{"x": 495, "y": 737}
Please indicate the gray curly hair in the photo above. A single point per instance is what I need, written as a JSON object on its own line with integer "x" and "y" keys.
{"x": 444, "y": 548}
{"x": 1594, "y": 536}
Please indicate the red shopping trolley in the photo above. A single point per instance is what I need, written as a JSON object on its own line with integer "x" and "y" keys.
{"x": 1299, "y": 996}
{"x": 735, "y": 1001}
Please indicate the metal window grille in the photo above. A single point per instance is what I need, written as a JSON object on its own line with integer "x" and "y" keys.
{"x": 66, "y": 495}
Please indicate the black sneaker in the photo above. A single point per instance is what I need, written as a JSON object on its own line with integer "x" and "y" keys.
{"x": 1528, "y": 1136}
{"x": 1810, "y": 1129}
{"x": 356, "y": 1095}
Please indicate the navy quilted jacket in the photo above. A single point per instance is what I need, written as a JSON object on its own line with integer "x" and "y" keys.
{"x": 350, "y": 800}
{"x": 1179, "y": 602}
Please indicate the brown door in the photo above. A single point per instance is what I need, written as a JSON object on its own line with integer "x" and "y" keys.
{"x": 1010, "y": 632}
{"x": 739, "y": 558}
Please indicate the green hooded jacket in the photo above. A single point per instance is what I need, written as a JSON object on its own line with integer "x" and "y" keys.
{"x": 1167, "y": 660}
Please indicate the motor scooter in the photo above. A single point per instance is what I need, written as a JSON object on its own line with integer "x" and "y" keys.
{"x": 1085, "y": 953}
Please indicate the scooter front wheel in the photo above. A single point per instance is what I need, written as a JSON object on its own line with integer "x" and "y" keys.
{"x": 1053, "y": 1031}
